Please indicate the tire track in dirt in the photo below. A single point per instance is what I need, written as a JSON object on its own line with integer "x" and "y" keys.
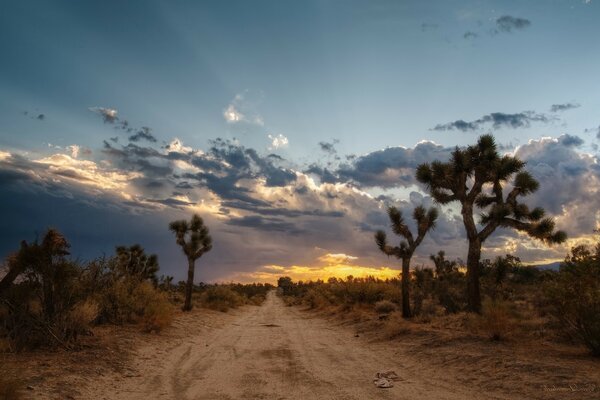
{"x": 276, "y": 352}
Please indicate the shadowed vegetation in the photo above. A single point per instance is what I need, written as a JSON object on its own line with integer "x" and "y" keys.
{"x": 404, "y": 251}
{"x": 47, "y": 299}
{"x": 476, "y": 177}
{"x": 194, "y": 240}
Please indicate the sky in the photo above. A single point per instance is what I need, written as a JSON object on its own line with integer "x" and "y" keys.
{"x": 289, "y": 126}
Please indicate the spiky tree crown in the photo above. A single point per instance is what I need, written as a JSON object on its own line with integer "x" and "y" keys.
{"x": 425, "y": 220}
{"x": 193, "y": 236}
{"x": 133, "y": 261}
{"x": 477, "y": 175}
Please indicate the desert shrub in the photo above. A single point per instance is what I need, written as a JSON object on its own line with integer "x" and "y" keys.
{"x": 451, "y": 298}
{"x": 385, "y": 307}
{"x": 79, "y": 319}
{"x": 10, "y": 387}
{"x": 251, "y": 290}
{"x": 220, "y": 298}
{"x": 129, "y": 300}
{"x": 574, "y": 295}
{"x": 497, "y": 320}
{"x": 50, "y": 300}
{"x": 158, "y": 314}
{"x": 316, "y": 298}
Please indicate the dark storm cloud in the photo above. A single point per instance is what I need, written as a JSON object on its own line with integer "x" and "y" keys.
{"x": 568, "y": 180}
{"x": 570, "y": 140}
{"x": 324, "y": 174}
{"x": 391, "y": 167}
{"x": 508, "y": 23}
{"x": 283, "y": 212}
{"x": 563, "y": 107}
{"x": 171, "y": 202}
{"x": 143, "y": 134}
{"x": 496, "y": 120}
{"x": 265, "y": 224}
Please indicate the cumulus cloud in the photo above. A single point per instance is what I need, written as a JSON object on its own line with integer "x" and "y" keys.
{"x": 109, "y": 115}
{"x": 278, "y": 141}
{"x": 231, "y": 114}
{"x": 563, "y": 107}
{"x": 240, "y": 109}
{"x": 496, "y": 120}
{"x": 393, "y": 166}
{"x": 508, "y": 23}
{"x": 569, "y": 181}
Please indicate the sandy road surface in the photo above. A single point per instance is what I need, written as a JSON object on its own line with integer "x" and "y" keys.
{"x": 275, "y": 352}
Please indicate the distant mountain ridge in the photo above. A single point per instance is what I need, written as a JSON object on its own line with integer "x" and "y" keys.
{"x": 554, "y": 266}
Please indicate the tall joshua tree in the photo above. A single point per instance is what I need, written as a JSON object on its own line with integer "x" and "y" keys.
{"x": 425, "y": 222}
{"x": 475, "y": 177}
{"x": 194, "y": 239}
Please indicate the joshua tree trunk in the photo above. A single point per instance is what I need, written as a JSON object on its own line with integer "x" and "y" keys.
{"x": 187, "y": 306}
{"x": 474, "y": 296}
{"x": 406, "y": 288}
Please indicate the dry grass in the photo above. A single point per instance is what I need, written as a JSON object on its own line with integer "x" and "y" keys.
{"x": 158, "y": 314}
{"x": 10, "y": 389}
{"x": 385, "y": 307}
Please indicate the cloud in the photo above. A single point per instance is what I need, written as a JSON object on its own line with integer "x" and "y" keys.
{"x": 470, "y": 35}
{"x": 232, "y": 115}
{"x": 109, "y": 115}
{"x": 240, "y": 109}
{"x": 391, "y": 167}
{"x": 507, "y": 23}
{"x": 570, "y": 141}
{"x": 496, "y": 120}
{"x": 594, "y": 130}
{"x": 428, "y": 27}
{"x": 329, "y": 147}
{"x": 336, "y": 259}
{"x": 278, "y": 141}
{"x": 143, "y": 134}
{"x": 563, "y": 107}
{"x": 569, "y": 181}
{"x": 265, "y": 224}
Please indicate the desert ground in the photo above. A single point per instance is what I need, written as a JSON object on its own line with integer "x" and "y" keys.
{"x": 278, "y": 352}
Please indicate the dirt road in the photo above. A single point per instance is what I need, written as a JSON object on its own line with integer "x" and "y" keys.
{"x": 275, "y": 352}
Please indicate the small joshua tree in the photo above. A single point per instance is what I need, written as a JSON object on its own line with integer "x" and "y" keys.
{"x": 475, "y": 177}
{"x": 425, "y": 222}
{"x": 198, "y": 242}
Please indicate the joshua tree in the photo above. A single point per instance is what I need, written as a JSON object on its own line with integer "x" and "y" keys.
{"x": 425, "y": 221}
{"x": 476, "y": 176}
{"x": 198, "y": 242}
{"x": 133, "y": 261}
{"x": 442, "y": 266}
